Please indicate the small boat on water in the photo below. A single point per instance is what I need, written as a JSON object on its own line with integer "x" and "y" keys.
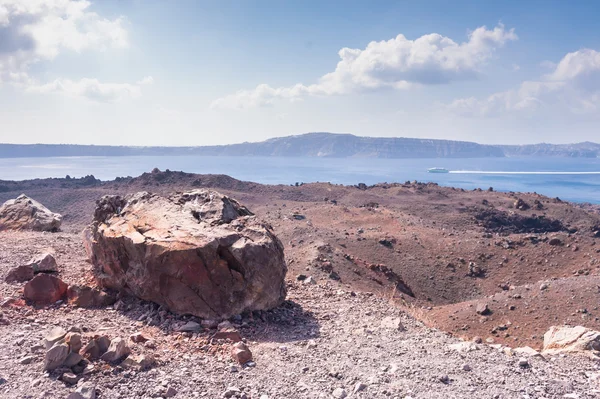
{"x": 437, "y": 170}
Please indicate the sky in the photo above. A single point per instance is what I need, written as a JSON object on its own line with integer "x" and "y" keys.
{"x": 192, "y": 72}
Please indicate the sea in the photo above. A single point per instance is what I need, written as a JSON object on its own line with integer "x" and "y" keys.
{"x": 572, "y": 179}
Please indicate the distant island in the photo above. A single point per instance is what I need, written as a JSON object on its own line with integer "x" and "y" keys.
{"x": 330, "y": 145}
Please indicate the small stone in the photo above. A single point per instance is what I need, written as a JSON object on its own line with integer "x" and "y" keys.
{"x": 483, "y": 309}
{"x": 231, "y": 391}
{"x": 69, "y": 378}
{"x": 85, "y": 391}
{"x": 339, "y": 393}
{"x": 87, "y": 297}
{"x": 72, "y": 359}
{"x": 544, "y": 286}
{"x": 466, "y": 367}
{"x": 44, "y": 263}
{"x": 27, "y": 360}
{"x": 231, "y": 334}
{"x": 309, "y": 281}
{"x": 555, "y": 241}
{"x": 19, "y": 274}
{"x": 359, "y": 386}
{"x": 170, "y": 392}
{"x": 208, "y": 323}
{"x": 142, "y": 362}
{"x": 190, "y": 326}
{"x": 74, "y": 341}
{"x": 56, "y": 356}
{"x": 523, "y": 363}
{"x": 53, "y": 336}
{"x": 241, "y": 353}
{"x": 117, "y": 350}
{"x": 444, "y": 379}
{"x": 392, "y": 323}
{"x": 138, "y": 338}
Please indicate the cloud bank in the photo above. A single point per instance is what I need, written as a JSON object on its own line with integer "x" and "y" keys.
{"x": 32, "y": 31}
{"x": 573, "y": 85}
{"x": 398, "y": 63}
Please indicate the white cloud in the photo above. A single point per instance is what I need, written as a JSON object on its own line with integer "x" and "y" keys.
{"x": 36, "y": 30}
{"x": 573, "y": 85}
{"x": 147, "y": 80}
{"x": 398, "y": 63}
{"x": 92, "y": 89}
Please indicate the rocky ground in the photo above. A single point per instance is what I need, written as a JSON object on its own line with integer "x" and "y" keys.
{"x": 426, "y": 255}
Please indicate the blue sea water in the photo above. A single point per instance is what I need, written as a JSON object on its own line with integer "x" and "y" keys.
{"x": 574, "y": 179}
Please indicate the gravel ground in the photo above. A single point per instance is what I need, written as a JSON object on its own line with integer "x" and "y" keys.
{"x": 323, "y": 342}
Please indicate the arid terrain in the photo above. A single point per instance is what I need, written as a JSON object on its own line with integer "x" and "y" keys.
{"x": 496, "y": 268}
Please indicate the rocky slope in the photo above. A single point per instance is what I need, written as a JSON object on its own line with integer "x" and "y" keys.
{"x": 360, "y": 259}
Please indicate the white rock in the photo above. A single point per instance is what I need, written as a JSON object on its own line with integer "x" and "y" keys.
{"x": 564, "y": 339}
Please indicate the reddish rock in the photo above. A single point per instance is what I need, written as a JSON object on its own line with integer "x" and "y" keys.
{"x": 138, "y": 338}
{"x": 45, "y": 289}
{"x": 87, "y": 297}
{"x": 231, "y": 334}
{"x": 19, "y": 274}
{"x": 24, "y": 213}
{"x": 198, "y": 253}
{"x": 241, "y": 353}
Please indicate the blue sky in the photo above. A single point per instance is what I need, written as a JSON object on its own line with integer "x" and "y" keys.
{"x": 133, "y": 72}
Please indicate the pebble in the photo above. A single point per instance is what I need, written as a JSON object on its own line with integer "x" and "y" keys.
{"x": 339, "y": 393}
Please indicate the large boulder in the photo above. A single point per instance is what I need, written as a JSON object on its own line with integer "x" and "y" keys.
{"x": 566, "y": 339}
{"x": 199, "y": 253}
{"x": 24, "y": 213}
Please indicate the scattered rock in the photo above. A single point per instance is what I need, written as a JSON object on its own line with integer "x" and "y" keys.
{"x": 56, "y": 356}
{"x": 241, "y": 353}
{"x": 475, "y": 270}
{"x": 190, "y": 326}
{"x": 19, "y": 274}
{"x": 231, "y": 391}
{"x": 138, "y": 338}
{"x": 226, "y": 251}
{"x": 565, "y": 339}
{"x": 95, "y": 347}
{"x": 523, "y": 363}
{"x": 483, "y": 309}
{"x": 392, "y": 323}
{"x": 53, "y": 336}
{"x": 72, "y": 359}
{"x": 85, "y": 391}
{"x": 45, "y": 289}
{"x": 358, "y": 387}
{"x": 27, "y": 360}
{"x": 69, "y": 378}
{"x": 142, "y": 362}
{"x": 310, "y": 281}
{"x": 521, "y": 205}
{"x": 463, "y": 346}
{"x": 229, "y": 333}
{"x": 44, "y": 263}
{"x": 117, "y": 350}
{"x": 555, "y": 241}
{"x": 339, "y": 393}
{"x": 87, "y": 297}
{"x": 24, "y": 213}
{"x": 74, "y": 341}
